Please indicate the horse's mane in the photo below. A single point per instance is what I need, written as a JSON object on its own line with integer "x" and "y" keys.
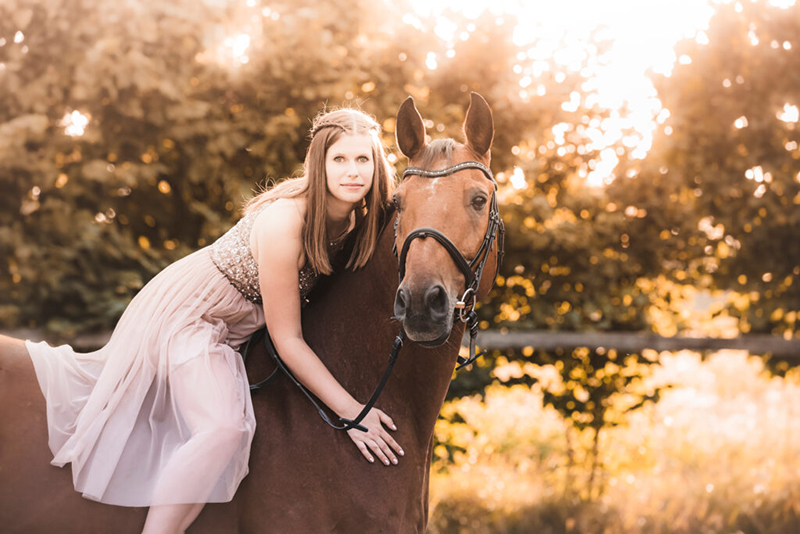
{"x": 339, "y": 262}
{"x": 434, "y": 151}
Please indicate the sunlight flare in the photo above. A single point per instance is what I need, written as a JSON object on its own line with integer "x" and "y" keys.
{"x": 612, "y": 44}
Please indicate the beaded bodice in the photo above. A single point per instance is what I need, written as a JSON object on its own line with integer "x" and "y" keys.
{"x": 231, "y": 254}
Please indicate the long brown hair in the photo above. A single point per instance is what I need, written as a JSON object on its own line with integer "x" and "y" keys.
{"x": 325, "y": 131}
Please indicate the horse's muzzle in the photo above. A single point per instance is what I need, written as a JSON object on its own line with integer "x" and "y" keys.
{"x": 426, "y": 313}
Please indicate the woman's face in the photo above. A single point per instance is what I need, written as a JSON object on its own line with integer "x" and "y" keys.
{"x": 349, "y": 168}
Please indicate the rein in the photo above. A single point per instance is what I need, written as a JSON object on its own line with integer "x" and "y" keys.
{"x": 347, "y": 424}
{"x": 465, "y": 307}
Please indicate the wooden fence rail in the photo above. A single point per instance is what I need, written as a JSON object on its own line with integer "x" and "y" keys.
{"x": 636, "y": 341}
{"x": 548, "y": 340}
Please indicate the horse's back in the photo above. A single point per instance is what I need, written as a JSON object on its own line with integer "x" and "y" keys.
{"x": 34, "y": 495}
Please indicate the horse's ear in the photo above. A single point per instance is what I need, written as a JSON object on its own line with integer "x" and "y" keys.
{"x": 409, "y": 129}
{"x": 478, "y": 125}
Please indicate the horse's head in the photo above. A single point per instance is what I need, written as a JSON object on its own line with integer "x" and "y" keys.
{"x": 446, "y": 223}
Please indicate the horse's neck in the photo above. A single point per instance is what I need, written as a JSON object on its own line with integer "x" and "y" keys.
{"x": 422, "y": 375}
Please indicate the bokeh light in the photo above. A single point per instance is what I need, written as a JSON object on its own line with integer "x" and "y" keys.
{"x": 789, "y": 114}
{"x": 75, "y": 123}
{"x": 621, "y": 42}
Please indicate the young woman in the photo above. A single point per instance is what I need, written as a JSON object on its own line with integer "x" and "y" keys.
{"x": 161, "y": 416}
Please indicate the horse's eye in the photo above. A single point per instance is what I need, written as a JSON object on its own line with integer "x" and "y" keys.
{"x": 396, "y": 202}
{"x": 478, "y": 203}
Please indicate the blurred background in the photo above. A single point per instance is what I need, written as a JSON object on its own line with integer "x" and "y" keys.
{"x": 647, "y": 154}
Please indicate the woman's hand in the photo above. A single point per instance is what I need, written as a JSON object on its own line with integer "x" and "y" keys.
{"x": 377, "y": 439}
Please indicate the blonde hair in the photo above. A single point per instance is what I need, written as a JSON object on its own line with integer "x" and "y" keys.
{"x": 326, "y": 130}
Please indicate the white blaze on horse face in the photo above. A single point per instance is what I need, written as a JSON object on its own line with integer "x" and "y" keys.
{"x": 432, "y": 185}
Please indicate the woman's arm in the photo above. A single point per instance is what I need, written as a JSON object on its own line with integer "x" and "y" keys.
{"x": 276, "y": 244}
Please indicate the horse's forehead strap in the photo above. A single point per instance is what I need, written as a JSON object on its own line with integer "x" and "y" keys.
{"x": 418, "y": 171}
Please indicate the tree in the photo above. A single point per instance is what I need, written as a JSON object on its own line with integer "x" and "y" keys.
{"x": 722, "y": 176}
{"x": 130, "y": 134}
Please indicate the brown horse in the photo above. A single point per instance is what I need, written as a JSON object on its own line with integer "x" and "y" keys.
{"x": 305, "y": 476}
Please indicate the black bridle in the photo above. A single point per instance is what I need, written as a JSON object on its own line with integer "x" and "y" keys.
{"x": 464, "y": 308}
{"x": 472, "y": 269}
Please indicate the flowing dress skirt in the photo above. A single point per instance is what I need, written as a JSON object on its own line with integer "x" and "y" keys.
{"x": 162, "y": 414}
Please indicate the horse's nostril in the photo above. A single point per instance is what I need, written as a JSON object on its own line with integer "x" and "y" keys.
{"x": 400, "y": 303}
{"x": 436, "y": 302}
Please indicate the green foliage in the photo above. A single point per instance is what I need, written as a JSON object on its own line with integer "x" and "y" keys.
{"x": 179, "y": 132}
{"x": 722, "y": 176}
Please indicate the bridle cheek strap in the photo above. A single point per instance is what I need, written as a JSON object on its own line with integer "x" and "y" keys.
{"x": 465, "y": 307}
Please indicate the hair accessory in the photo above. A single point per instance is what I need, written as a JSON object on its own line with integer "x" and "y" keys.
{"x": 317, "y": 127}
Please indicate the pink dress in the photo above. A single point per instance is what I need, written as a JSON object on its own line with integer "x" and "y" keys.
{"x": 162, "y": 414}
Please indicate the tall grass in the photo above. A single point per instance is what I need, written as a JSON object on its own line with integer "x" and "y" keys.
{"x": 720, "y": 453}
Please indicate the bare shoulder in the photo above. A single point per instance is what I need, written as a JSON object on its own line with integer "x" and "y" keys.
{"x": 280, "y": 226}
{"x": 283, "y": 214}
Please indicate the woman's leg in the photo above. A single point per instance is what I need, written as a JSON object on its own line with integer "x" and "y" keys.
{"x": 170, "y": 518}
{"x": 192, "y": 515}
{"x": 12, "y": 348}
{"x": 205, "y": 392}
{"x": 15, "y": 364}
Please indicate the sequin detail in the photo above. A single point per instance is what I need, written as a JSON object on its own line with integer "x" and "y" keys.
{"x": 231, "y": 255}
